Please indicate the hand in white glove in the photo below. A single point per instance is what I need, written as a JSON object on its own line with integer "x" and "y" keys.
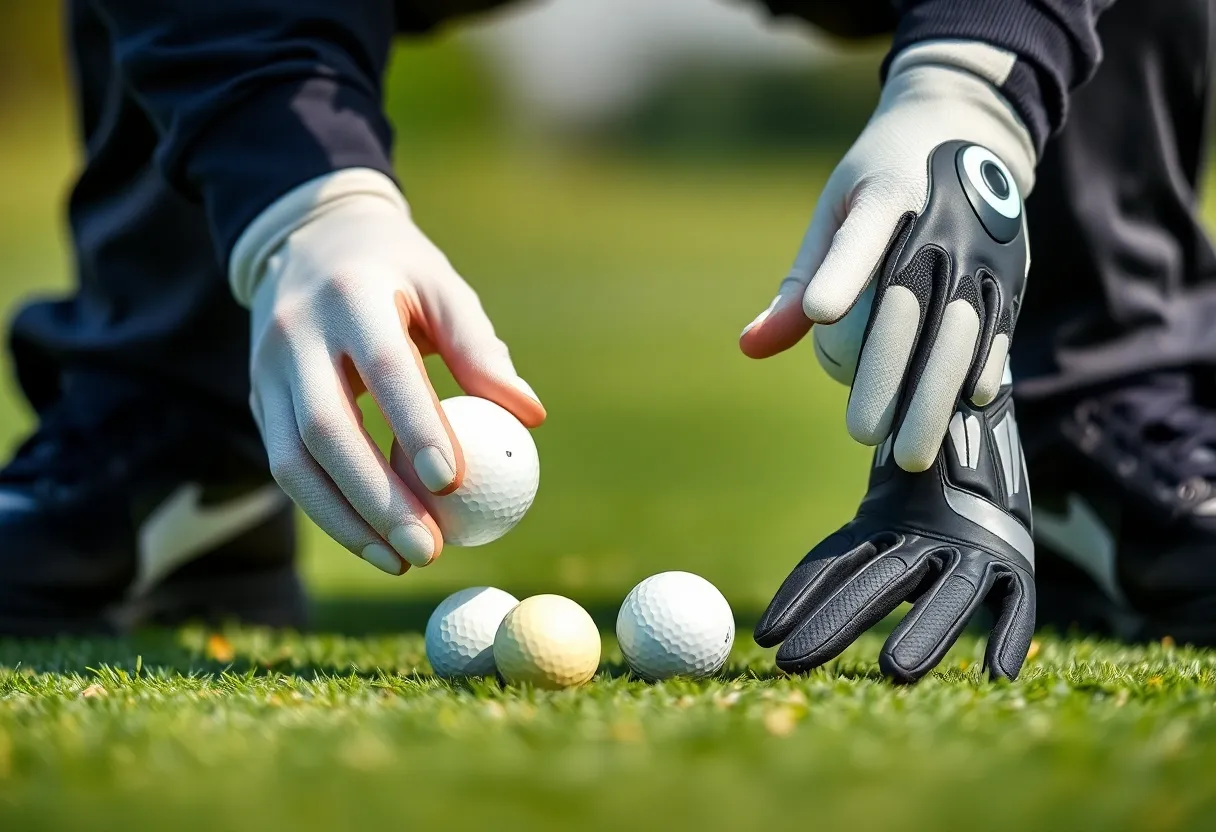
{"x": 923, "y": 220}
{"x": 347, "y": 294}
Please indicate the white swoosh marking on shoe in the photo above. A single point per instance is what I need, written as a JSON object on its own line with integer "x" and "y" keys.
{"x": 13, "y": 500}
{"x": 182, "y": 528}
{"x": 1082, "y": 538}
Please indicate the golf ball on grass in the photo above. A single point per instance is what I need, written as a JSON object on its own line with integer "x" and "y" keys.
{"x": 675, "y": 624}
{"x": 547, "y": 641}
{"x": 460, "y": 632}
{"x": 501, "y": 473}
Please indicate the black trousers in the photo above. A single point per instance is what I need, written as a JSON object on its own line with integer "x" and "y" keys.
{"x": 1123, "y": 278}
{"x": 1123, "y": 275}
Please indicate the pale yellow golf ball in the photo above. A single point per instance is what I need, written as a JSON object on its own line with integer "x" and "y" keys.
{"x": 547, "y": 641}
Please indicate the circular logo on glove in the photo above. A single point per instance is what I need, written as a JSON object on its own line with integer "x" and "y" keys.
{"x": 992, "y": 191}
{"x": 994, "y": 178}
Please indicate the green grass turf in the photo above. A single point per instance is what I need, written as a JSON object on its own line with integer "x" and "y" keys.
{"x": 621, "y": 287}
{"x": 324, "y": 732}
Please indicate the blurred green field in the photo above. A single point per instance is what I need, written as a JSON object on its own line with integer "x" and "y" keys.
{"x": 621, "y": 285}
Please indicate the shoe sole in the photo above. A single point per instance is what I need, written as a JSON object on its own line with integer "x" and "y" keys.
{"x": 274, "y": 598}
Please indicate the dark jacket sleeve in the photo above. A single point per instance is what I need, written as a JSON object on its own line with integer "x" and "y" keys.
{"x": 1055, "y": 41}
{"x": 253, "y": 97}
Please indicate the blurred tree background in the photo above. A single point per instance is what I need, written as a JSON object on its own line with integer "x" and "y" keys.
{"x": 446, "y": 85}
{"x": 31, "y": 58}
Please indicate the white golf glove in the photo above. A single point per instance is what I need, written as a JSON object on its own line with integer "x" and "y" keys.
{"x": 945, "y": 266}
{"x": 347, "y": 294}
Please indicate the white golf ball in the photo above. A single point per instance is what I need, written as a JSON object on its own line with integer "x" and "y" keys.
{"x": 547, "y": 641}
{"x": 675, "y": 624}
{"x": 460, "y": 632}
{"x": 501, "y": 473}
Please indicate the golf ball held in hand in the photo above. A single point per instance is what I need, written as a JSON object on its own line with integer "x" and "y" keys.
{"x": 675, "y": 624}
{"x": 547, "y": 641}
{"x": 460, "y": 632}
{"x": 501, "y": 473}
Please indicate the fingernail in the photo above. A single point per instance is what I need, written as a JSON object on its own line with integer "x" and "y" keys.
{"x": 433, "y": 468}
{"x": 759, "y": 319}
{"x": 381, "y": 558}
{"x": 413, "y": 542}
{"x": 525, "y": 388}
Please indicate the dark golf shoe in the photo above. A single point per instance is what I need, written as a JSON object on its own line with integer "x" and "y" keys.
{"x": 1125, "y": 509}
{"x": 126, "y": 508}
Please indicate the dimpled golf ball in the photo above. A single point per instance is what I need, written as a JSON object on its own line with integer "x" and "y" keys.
{"x": 501, "y": 474}
{"x": 460, "y": 632}
{"x": 547, "y": 641}
{"x": 675, "y": 624}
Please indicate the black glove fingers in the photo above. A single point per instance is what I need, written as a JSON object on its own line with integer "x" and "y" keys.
{"x": 860, "y": 603}
{"x": 1012, "y": 600}
{"x": 935, "y": 622}
{"x": 813, "y": 579}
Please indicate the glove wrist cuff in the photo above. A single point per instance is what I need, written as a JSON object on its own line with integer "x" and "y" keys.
{"x": 971, "y": 72}
{"x": 295, "y": 209}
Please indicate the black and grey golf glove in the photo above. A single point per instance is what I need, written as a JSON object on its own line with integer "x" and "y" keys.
{"x": 950, "y": 540}
{"x": 913, "y": 267}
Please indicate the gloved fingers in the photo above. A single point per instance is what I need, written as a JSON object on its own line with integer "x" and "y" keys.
{"x": 391, "y": 368}
{"x": 781, "y": 325}
{"x": 810, "y": 583}
{"x": 931, "y": 627}
{"x": 883, "y": 364}
{"x": 858, "y": 247}
{"x": 303, "y": 480}
{"x": 993, "y": 372}
{"x": 1012, "y": 599}
{"x": 838, "y": 345}
{"x": 864, "y": 599}
{"x": 332, "y": 431}
{"x": 456, "y": 323}
{"x": 841, "y": 250}
{"x": 924, "y": 423}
